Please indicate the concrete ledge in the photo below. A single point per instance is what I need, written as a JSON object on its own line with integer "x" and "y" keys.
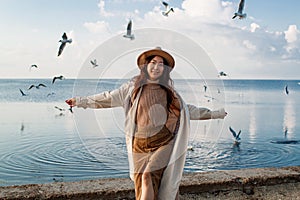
{"x": 245, "y": 179}
{"x": 122, "y": 188}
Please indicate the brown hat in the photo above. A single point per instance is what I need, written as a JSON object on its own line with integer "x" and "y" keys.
{"x": 141, "y": 61}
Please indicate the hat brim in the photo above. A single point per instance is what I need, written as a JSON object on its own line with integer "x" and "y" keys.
{"x": 141, "y": 61}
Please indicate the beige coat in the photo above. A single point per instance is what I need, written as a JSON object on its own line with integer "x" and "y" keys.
{"x": 121, "y": 98}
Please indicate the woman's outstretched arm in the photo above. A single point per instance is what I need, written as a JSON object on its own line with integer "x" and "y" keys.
{"x": 107, "y": 99}
{"x": 199, "y": 113}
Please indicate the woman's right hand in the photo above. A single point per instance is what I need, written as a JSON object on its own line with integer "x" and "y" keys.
{"x": 71, "y": 102}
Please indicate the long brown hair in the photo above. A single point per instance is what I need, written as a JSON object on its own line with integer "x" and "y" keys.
{"x": 165, "y": 82}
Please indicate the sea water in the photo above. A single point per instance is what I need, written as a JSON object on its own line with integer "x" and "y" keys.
{"x": 42, "y": 141}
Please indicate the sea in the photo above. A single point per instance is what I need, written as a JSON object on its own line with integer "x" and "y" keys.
{"x": 42, "y": 140}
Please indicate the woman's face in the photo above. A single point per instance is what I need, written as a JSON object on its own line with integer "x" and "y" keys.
{"x": 155, "y": 68}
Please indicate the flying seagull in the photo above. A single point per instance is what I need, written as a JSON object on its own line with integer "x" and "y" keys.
{"x": 240, "y": 13}
{"x": 94, "y": 63}
{"x": 286, "y": 89}
{"x": 50, "y": 94}
{"x": 37, "y": 86}
{"x": 62, "y": 109}
{"x": 34, "y": 65}
{"x": 61, "y": 77}
{"x": 212, "y": 98}
{"x": 129, "y": 31}
{"x": 235, "y": 135}
{"x": 64, "y": 41}
{"x": 23, "y": 94}
{"x": 168, "y": 9}
{"x": 222, "y": 74}
{"x": 58, "y": 108}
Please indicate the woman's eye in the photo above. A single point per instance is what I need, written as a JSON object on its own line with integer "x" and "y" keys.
{"x": 158, "y": 64}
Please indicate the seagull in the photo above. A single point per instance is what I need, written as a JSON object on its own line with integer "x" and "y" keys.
{"x": 22, "y": 127}
{"x": 168, "y": 9}
{"x": 61, "y": 77}
{"x": 240, "y": 13}
{"x": 205, "y": 87}
{"x": 94, "y": 63}
{"x": 212, "y": 98}
{"x": 50, "y": 94}
{"x": 37, "y": 86}
{"x": 190, "y": 148}
{"x": 60, "y": 114}
{"x": 60, "y": 109}
{"x": 64, "y": 41}
{"x": 23, "y": 94}
{"x": 222, "y": 74}
{"x": 61, "y": 179}
{"x": 236, "y": 136}
{"x": 285, "y": 132}
{"x": 286, "y": 89}
{"x": 34, "y": 65}
{"x": 129, "y": 31}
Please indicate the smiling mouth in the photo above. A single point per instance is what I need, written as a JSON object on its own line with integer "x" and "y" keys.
{"x": 155, "y": 72}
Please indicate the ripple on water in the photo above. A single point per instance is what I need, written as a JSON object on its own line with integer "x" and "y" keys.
{"x": 58, "y": 160}
{"x": 226, "y": 156}
{"x": 39, "y": 160}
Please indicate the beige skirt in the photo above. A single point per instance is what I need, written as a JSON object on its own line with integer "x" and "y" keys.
{"x": 151, "y": 154}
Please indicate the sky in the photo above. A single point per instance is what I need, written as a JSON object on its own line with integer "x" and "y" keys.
{"x": 265, "y": 45}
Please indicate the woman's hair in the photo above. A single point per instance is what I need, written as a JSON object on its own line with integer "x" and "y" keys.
{"x": 165, "y": 82}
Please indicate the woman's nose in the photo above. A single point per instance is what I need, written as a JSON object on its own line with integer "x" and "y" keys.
{"x": 155, "y": 66}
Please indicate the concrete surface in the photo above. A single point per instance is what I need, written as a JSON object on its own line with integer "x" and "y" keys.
{"x": 261, "y": 183}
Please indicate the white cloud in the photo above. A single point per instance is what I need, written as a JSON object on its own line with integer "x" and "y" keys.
{"x": 239, "y": 47}
{"x": 249, "y": 45}
{"x": 228, "y": 42}
{"x": 97, "y": 27}
{"x": 292, "y": 44}
{"x": 103, "y": 12}
{"x": 211, "y": 10}
{"x": 226, "y": 3}
{"x": 272, "y": 49}
{"x": 254, "y": 26}
{"x": 291, "y": 34}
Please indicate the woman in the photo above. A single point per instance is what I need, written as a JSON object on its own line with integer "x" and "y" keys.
{"x": 156, "y": 125}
